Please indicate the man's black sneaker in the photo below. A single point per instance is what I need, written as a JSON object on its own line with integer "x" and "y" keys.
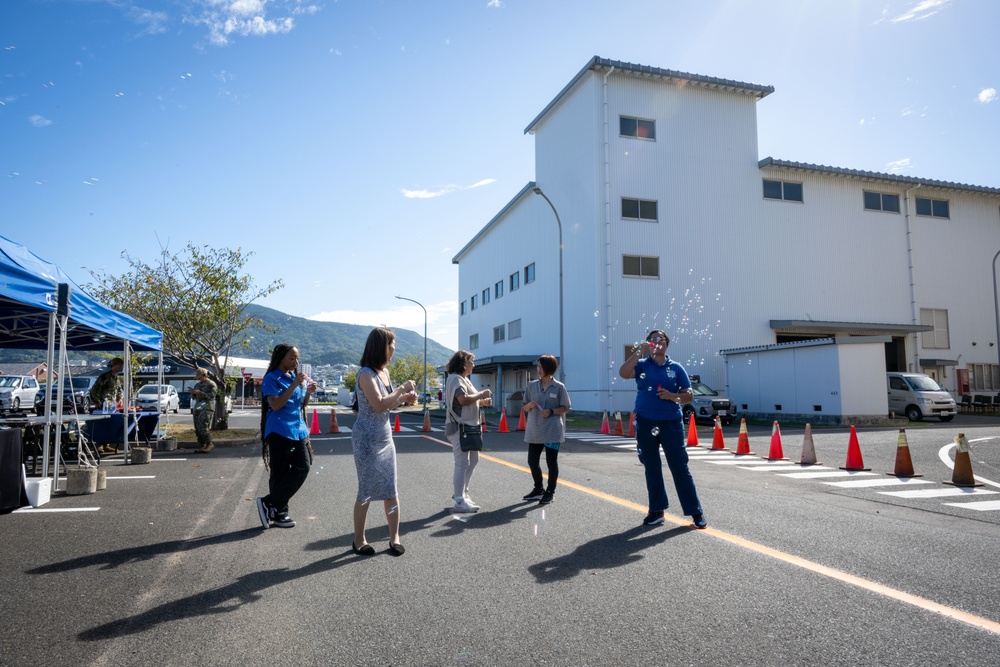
{"x": 283, "y": 521}
{"x": 265, "y": 512}
{"x": 546, "y": 498}
{"x": 699, "y": 521}
{"x": 536, "y": 494}
{"x": 653, "y": 519}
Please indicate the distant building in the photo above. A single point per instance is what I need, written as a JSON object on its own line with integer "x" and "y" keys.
{"x": 671, "y": 220}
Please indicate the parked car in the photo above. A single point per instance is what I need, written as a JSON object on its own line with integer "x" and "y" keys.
{"x": 917, "y": 396}
{"x": 147, "y": 396}
{"x": 709, "y": 404}
{"x": 17, "y": 391}
{"x": 229, "y": 403}
{"x": 76, "y": 395}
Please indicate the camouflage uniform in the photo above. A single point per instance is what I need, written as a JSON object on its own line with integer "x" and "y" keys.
{"x": 107, "y": 386}
{"x": 204, "y": 412}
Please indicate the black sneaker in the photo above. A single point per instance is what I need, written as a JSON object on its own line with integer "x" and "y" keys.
{"x": 265, "y": 512}
{"x": 546, "y": 498}
{"x": 536, "y": 494}
{"x": 283, "y": 521}
{"x": 699, "y": 521}
{"x": 653, "y": 519}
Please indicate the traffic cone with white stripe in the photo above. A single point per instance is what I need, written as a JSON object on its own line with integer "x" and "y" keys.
{"x": 962, "y": 473}
{"x": 618, "y": 424}
{"x": 334, "y": 426}
{"x": 692, "y": 440}
{"x": 743, "y": 443}
{"x": 605, "y": 428}
{"x": 904, "y": 465}
{"x": 808, "y": 457}
{"x": 776, "y": 453}
{"x": 427, "y": 421}
{"x": 717, "y": 440}
{"x": 503, "y": 421}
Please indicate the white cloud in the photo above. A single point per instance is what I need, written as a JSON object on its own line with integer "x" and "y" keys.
{"x": 494, "y": 4}
{"x": 987, "y": 95}
{"x": 922, "y": 10}
{"x": 227, "y": 19}
{"x": 867, "y": 121}
{"x": 898, "y": 166}
{"x": 153, "y": 23}
{"x": 444, "y": 190}
{"x": 39, "y": 121}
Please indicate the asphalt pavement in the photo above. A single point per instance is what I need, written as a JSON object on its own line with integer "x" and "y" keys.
{"x": 799, "y": 565}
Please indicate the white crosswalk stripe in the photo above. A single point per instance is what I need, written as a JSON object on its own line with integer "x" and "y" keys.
{"x": 883, "y": 481}
{"x": 979, "y": 506}
{"x": 940, "y": 492}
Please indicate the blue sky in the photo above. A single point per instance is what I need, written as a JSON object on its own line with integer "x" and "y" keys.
{"x": 355, "y": 146}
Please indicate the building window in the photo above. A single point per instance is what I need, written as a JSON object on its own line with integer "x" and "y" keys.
{"x": 514, "y": 329}
{"x": 646, "y": 267}
{"x": 515, "y": 280}
{"x": 498, "y": 289}
{"x": 937, "y": 318}
{"x": 637, "y": 127}
{"x": 984, "y": 377}
{"x": 782, "y": 190}
{"x": 639, "y": 209}
{"x": 474, "y": 342}
{"x": 529, "y": 273}
{"x": 486, "y": 296}
{"x": 879, "y": 201}
{"x": 936, "y": 208}
{"x": 461, "y": 309}
{"x": 474, "y": 302}
{"x": 498, "y": 333}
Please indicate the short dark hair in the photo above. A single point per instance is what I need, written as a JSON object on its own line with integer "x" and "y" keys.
{"x": 548, "y": 363}
{"x": 456, "y": 365}
{"x": 376, "y": 354}
{"x": 652, "y": 332}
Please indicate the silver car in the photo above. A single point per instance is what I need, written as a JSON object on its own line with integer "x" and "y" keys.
{"x": 147, "y": 397}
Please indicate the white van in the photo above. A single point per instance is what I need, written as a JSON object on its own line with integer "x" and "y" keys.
{"x": 917, "y": 396}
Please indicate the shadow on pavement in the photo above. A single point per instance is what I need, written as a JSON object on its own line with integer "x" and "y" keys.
{"x": 604, "y": 553}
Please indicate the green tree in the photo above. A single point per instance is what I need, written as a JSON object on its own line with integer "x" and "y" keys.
{"x": 351, "y": 379}
{"x": 197, "y": 299}
{"x": 405, "y": 367}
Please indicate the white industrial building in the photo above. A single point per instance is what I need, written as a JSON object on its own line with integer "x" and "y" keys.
{"x": 670, "y": 219}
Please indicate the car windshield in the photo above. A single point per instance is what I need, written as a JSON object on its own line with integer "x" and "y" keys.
{"x": 9, "y": 381}
{"x": 701, "y": 389}
{"x": 81, "y": 383}
{"x": 150, "y": 390}
{"x": 923, "y": 383}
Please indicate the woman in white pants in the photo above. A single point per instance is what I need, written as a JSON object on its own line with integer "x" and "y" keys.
{"x": 462, "y": 403}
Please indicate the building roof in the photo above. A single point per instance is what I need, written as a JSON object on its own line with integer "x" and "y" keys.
{"x": 875, "y": 176}
{"x": 496, "y": 218}
{"x": 598, "y": 64}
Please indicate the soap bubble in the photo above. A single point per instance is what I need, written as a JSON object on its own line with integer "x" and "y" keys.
{"x": 642, "y": 376}
{"x": 655, "y": 431}
{"x": 392, "y": 509}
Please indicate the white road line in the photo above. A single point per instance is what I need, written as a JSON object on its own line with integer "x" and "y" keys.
{"x": 132, "y": 477}
{"x": 773, "y": 467}
{"x": 980, "y": 506}
{"x": 31, "y": 510}
{"x": 883, "y": 481}
{"x": 747, "y": 462}
{"x": 943, "y": 492}
{"x": 832, "y": 473}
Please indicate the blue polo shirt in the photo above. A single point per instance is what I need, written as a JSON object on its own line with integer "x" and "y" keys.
{"x": 649, "y": 376}
{"x": 286, "y": 422}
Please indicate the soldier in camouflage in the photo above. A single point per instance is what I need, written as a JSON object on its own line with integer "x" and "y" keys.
{"x": 203, "y": 394}
{"x": 107, "y": 387}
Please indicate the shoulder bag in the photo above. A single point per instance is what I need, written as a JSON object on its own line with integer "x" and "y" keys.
{"x": 470, "y": 438}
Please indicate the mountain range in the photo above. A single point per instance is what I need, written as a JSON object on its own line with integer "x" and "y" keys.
{"x": 318, "y": 342}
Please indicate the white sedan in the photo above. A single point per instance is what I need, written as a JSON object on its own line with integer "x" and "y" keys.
{"x": 168, "y": 398}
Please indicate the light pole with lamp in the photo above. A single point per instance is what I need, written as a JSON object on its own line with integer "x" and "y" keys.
{"x": 996, "y": 308}
{"x": 425, "y": 346}
{"x": 562, "y": 359}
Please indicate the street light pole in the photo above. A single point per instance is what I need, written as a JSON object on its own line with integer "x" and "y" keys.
{"x": 996, "y": 308}
{"x": 425, "y": 346}
{"x": 562, "y": 358}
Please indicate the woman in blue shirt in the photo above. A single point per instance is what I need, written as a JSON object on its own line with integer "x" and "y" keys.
{"x": 284, "y": 433}
{"x": 663, "y": 386}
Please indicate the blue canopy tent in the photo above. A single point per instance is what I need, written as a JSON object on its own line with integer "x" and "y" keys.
{"x": 39, "y": 303}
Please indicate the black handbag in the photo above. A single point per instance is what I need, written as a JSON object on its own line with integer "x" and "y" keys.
{"x": 470, "y": 437}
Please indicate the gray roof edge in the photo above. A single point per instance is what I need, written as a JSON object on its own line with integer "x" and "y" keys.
{"x": 595, "y": 62}
{"x": 496, "y": 218}
{"x": 875, "y": 175}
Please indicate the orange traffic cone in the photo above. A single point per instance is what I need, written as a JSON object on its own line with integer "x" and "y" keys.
{"x": 743, "y": 443}
{"x": 482, "y": 421}
{"x": 808, "y": 457}
{"x": 904, "y": 465}
{"x": 605, "y": 429}
{"x": 631, "y": 424}
{"x": 334, "y": 426}
{"x": 692, "y": 440}
{"x": 854, "y": 461}
{"x": 395, "y": 427}
{"x": 314, "y": 429}
{"x": 522, "y": 423}
{"x": 427, "y": 421}
{"x": 962, "y": 475}
{"x": 503, "y": 422}
{"x": 619, "y": 430}
{"x": 776, "y": 453}
{"x": 717, "y": 441}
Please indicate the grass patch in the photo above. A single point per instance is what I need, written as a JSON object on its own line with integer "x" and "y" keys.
{"x": 185, "y": 433}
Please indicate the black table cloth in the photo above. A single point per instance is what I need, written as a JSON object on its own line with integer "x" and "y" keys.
{"x": 12, "y": 493}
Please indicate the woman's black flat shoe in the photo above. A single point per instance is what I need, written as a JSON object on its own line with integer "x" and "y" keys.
{"x": 364, "y": 549}
{"x": 397, "y": 549}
